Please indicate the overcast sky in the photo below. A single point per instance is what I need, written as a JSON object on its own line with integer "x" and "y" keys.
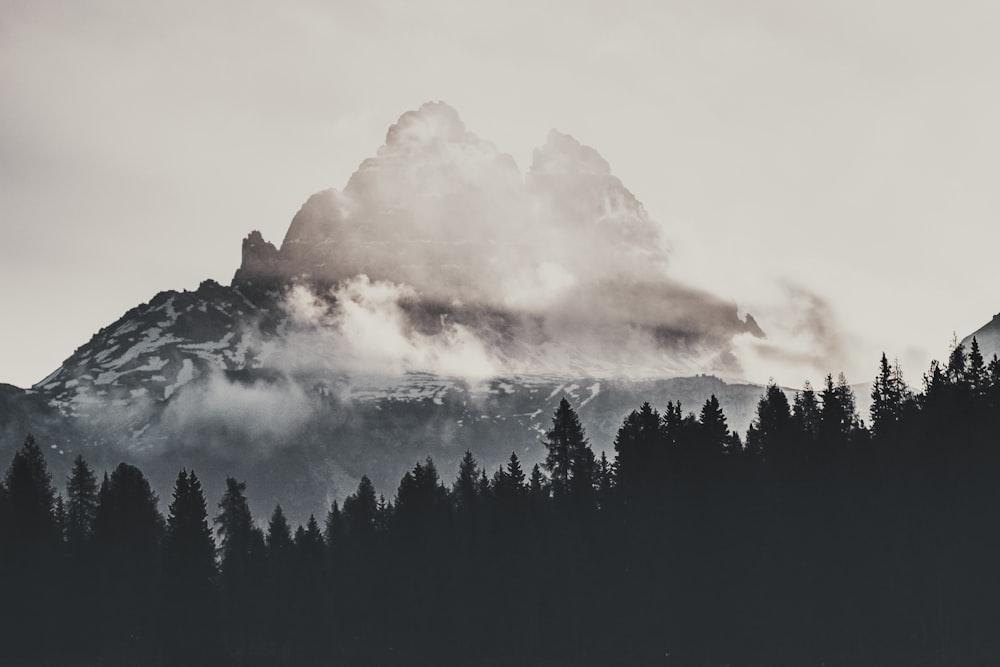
{"x": 846, "y": 147}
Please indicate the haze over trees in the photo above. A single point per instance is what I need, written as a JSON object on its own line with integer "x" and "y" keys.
{"x": 820, "y": 538}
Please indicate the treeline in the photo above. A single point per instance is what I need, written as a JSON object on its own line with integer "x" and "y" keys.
{"x": 814, "y": 540}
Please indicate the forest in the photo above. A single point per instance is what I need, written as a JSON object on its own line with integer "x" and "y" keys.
{"x": 817, "y": 538}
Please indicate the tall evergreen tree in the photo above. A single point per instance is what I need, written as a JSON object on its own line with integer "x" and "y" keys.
{"x": 806, "y": 413}
{"x": 770, "y": 435}
{"x": 333, "y": 528}
{"x": 421, "y": 501}
{"x": 29, "y": 496}
{"x": 127, "y": 532}
{"x": 360, "y": 512}
{"x": 889, "y": 398}
{"x": 538, "y": 488}
{"x": 713, "y": 430}
{"x": 189, "y": 572}
{"x": 957, "y": 367}
{"x": 569, "y": 459}
{"x": 640, "y": 447}
{"x": 515, "y": 474}
{"x": 29, "y": 572}
{"x": 465, "y": 490}
{"x": 241, "y": 552}
{"x": 81, "y": 503}
{"x": 838, "y": 415}
{"x": 976, "y": 373}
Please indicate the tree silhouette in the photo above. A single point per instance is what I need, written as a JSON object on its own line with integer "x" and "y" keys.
{"x": 770, "y": 436}
{"x": 127, "y": 531}
{"x": 569, "y": 459}
{"x": 360, "y": 512}
{"x": 81, "y": 503}
{"x": 29, "y": 537}
{"x": 29, "y": 497}
{"x": 641, "y": 448}
{"x": 241, "y": 551}
{"x": 189, "y": 572}
{"x": 465, "y": 489}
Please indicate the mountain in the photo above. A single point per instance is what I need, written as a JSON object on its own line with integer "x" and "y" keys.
{"x": 442, "y": 301}
{"x": 988, "y": 337}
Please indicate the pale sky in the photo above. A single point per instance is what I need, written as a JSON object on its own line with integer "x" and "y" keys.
{"x": 846, "y": 148}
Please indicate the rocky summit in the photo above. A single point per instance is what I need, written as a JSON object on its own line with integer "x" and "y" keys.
{"x": 442, "y": 301}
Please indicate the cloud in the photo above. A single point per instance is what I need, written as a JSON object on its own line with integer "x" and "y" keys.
{"x": 262, "y": 413}
{"x": 444, "y": 257}
{"x": 804, "y": 337}
{"x": 360, "y": 327}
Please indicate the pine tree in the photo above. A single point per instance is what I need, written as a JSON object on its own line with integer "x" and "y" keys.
{"x": 713, "y": 430}
{"x": 605, "y": 481}
{"x": 189, "y": 572}
{"x": 515, "y": 474}
{"x": 29, "y": 496}
{"x": 241, "y": 552}
{"x": 277, "y": 585}
{"x": 465, "y": 490}
{"x": 640, "y": 447}
{"x": 279, "y": 533}
{"x": 889, "y": 398}
{"x": 127, "y": 532}
{"x": 993, "y": 382}
{"x": 770, "y": 433}
{"x": 383, "y": 515}
{"x": 234, "y": 525}
{"x": 499, "y": 485}
{"x": 956, "y": 371}
{"x": 421, "y": 500}
{"x": 59, "y": 514}
{"x": 309, "y": 543}
{"x": 483, "y": 489}
{"x": 333, "y": 527}
{"x": 29, "y": 571}
{"x": 838, "y": 415}
{"x": 309, "y": 586}
{"x": 569, "y": 461}
{"x": 360, "y": 510}
{"x": 81, "y": 503}
{"x": 806, "y": 413}
{"x": 538, "y": 489}
{"x": 976, "y": 372}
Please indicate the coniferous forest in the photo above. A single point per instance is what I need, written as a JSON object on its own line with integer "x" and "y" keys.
{"x": 816, "y": 539}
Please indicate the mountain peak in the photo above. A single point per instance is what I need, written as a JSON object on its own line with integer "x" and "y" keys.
{"x": 563, "y": 154}
{"x": 433, "y": 122}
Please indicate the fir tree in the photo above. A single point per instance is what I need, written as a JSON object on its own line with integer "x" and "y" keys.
{"x": 465, "y": 490}
{"x": 569, "y": 461}
{"x": 538, "y": 488}
{"x": 976, "y": 373}
{"x": 81, "y": 503}
{"x": 360, "y": 509}
{"x": 127, "y": 532}
{"x": 279, "y": 533}
{"x": 770, "y": 435}
{"x": 515, "y": 474}
{"x": 29, "y": 496}
{"x": 806, "y": 413}
{"x": 189, "y": 572}
{"x": 713, "y": 429}
{"x": 640, "y": 447}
